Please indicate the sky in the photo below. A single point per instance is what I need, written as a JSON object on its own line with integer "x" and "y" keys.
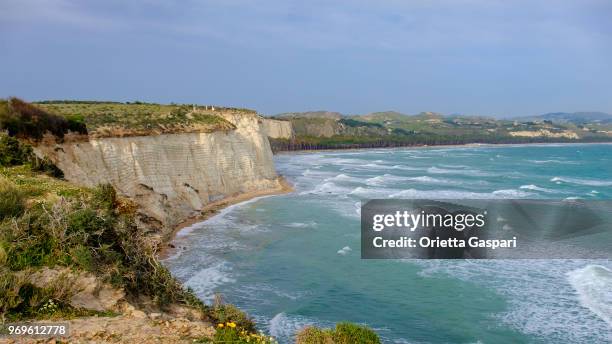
{"x": 475, "y": 57}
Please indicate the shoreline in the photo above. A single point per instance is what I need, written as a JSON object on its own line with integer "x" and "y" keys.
{"x": 214, "y": 208}
{"x": 468, "y": 145}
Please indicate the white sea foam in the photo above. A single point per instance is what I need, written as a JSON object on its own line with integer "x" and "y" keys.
{"x": 453, "y": 166}
{"x": 581, "y": 181}
{"x": 389, "y": 179}
{"x": 310, "y": 224}
{"x": 540, "y": 300}
{"x": 511, "y": 193}
{"x": 262, "y": 292}
{"x": 456, "y": 194}
{"x": 366, "y": 192}
{"x": 206, "y": 281}
{"x": 464, "y": 172}
{"x": 344, "y": 251}
{"x": 384, "y": 179}
{"x": 593, "y": 284}
{"x": 376, "y": 166}
{"x": 327, "y": 188}
{"x": 406, "y": 168}
{"x": 537, "y": 188}
{"x": 431, "y": 180}
{"x": 552, "y": 161}
{"x": 344, "y": 178}
{"x": 284, "y": 326}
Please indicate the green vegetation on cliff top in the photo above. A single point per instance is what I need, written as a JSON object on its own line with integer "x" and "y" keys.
{"x": 109, "y": 119}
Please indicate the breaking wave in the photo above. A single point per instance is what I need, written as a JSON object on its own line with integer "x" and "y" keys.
{"x": 581, "y": 181}
{"x": 593, "y": 284}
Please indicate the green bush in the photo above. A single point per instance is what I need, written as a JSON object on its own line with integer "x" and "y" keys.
{"x": 344, "y": 333}
{"x": 25, "y": 120}
{"x": 105, "y": 196}
{"x": 236, "y": 335}
{"x": 223, "y": 313}
{"x": 314, "y": 335}
{"x": 12, "y": 200}
{"x": 10, "y": 286}
{"x": 14, "y": 153}
{"x": 349, "y": 333}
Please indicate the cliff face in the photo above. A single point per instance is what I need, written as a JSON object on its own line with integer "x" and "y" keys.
{"x": 277, "y": 129}
{"x": 173, "y": 176}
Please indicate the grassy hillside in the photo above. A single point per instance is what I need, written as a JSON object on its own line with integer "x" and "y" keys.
{"x": 48, "y": 222}
{"x": 109, "y": 119}
{"x": 391, "y": 129}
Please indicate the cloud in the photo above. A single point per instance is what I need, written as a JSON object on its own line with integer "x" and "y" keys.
{"x": 387, "y": 25}
{"x": 40, "y": 13}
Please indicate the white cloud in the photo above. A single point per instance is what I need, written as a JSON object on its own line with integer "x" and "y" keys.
{"x": 434, "y": 26}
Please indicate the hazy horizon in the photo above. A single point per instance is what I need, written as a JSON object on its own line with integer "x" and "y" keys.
{"x": 473, "y": 57}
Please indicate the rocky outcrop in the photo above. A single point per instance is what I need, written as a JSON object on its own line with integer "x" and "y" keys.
{"x": 174, "y": 176}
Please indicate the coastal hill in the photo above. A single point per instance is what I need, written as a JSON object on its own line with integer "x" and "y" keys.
{"x": 392, "y": 129}
{"x": 573, "y": 117}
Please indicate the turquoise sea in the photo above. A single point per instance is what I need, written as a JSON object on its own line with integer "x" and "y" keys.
{"x": 293, "y": 260}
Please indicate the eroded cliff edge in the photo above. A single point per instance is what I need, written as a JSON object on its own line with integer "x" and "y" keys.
{"x": 173, "y": 176}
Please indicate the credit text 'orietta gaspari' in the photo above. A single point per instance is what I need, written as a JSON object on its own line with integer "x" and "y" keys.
{"x": 458, "y": 222}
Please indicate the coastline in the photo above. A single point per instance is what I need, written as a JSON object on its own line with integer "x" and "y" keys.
{"x": 213, "y": 208}
{"x": 167, "y": 249}
{"x": 305, "y": 151}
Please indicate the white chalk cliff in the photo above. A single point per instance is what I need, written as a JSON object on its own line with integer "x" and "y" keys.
{"x": 173, "y": 176}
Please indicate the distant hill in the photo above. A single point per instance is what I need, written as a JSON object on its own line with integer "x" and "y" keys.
{"x": 383, "y": 116}
{"x": 311, "y": 114}
{"x": 332, "y": 130}
{"x": 573, "y": 117}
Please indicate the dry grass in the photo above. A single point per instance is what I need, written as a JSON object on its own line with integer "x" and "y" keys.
{"x": 135, "y": 119}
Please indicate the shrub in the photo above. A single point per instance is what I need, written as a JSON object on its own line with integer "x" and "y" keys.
{"x": 314, "y": 335}
{"x": 348, "y": 333}
{"x": 28, "y": 121}
{"x": 344, "y": 333}
{"x": 229, "y": 332}
{"x": 105, "y": 196}
{"x": 222, "y": 313}
{"x": 85, "y": 231}
{"x": 13, "y": 153}
{"x": 23, "y": 300}
{"x": 12, "y": 200}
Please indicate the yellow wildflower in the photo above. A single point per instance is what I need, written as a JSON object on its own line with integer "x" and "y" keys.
{"x": 220, "y": 325}
{"x": 231, "y": 324}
